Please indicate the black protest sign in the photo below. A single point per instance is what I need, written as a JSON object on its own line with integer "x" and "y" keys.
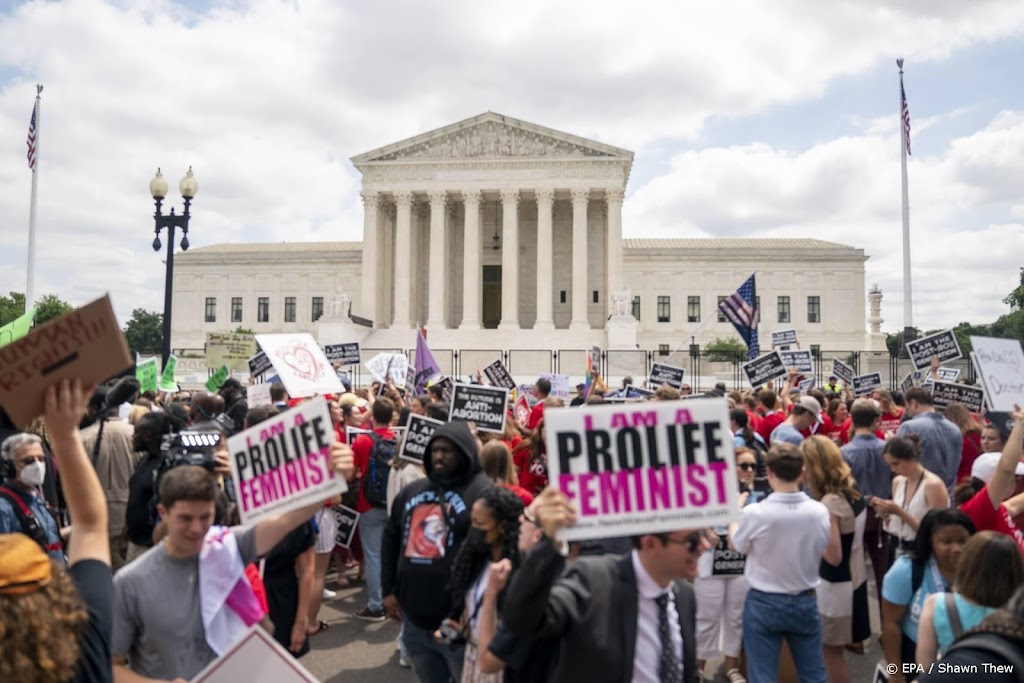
{"x": 863, "y": 384}
{"x": 842, "y": 371}
{"x": 259, "y": 364}
{"x": 942, "y": 345}
{"x": 801, "y": 360}
{"x": 485, "y": 406}
{"x": 447, "y": 386}
{"x": 765, "y": 368}
{"x": 418, "y": 432}
{"x": 348, "y": 520}
{"x": 946, "y": 393}
{"x": 907, "y": 382}
{"x": 345, "y": 354}
{"x": 410, "y": 381}
{"x": 665, "y": 374}
{"x": 784, "y": 338}
{"x": 726, "y": 561}
{"x": 948, "y": 374}
{"x": 498, "y": 375}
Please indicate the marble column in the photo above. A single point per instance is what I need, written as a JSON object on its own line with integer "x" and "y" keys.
{"x": 545, "y": 258}
{"x": 580, "y": 318}
{"x": 613, "y": 247}
{"x": 510, "y": 260}
{"x": 369, "y": 285}
{"x": 437, "y": 273}
{"x": 403, "y": 259}
{"x": 472, "y": 274}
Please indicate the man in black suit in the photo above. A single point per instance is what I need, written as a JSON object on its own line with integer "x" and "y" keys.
{"x": 617, "y": 617}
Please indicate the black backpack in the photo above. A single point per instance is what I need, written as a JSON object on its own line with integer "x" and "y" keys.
{"x": 378, "y": 469}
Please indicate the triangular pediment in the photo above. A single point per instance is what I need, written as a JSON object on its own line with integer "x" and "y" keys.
{"x": 492, "y": 136}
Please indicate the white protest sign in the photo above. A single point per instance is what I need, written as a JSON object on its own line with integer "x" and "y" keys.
{"x": 392, "y": 365}
{"x": 483, "y": 405}
{"x": 419, "y": 431}
{"x": 301, "y": 364}
{"x": 258, "y": 395}
{"x": 783, "y": 337}
{"x": 644, "y": 468}
{"x": 1000, "y": 365}
{"x": 255, "y": 658}
{"x": 943, "y": 345}
{"x": 559, "y": 384}
{"x": 284, "y": 462}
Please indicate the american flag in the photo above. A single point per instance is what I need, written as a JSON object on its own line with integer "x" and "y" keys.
{"x": 906, "y": 115}
{"x": 741, "y": 309}
{"x": 32, "y": 139}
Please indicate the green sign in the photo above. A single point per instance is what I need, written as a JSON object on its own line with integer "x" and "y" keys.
{"x": 147, "y": 371}
{"x": 167, "y": 378}
{"x": 17, "y": 328}
{"x": 218, "y": 378}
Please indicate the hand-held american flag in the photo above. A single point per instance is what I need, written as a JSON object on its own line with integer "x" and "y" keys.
{"x": 740, "y": 308}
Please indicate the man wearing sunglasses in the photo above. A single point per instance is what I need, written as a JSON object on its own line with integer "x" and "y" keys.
{"x": 615, "y": 617}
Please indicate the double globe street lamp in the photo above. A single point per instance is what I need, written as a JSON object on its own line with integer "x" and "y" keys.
{"x": 158, "y": 188}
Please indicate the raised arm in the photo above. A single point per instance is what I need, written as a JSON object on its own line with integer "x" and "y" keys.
{"x": 1002, "y": 482}
{"x": 784, "y": 395}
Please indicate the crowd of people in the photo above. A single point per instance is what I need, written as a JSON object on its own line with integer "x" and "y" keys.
{"x": 103, "y": 518}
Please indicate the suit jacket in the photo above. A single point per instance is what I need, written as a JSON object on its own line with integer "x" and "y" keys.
{"x": 591, "y": 609}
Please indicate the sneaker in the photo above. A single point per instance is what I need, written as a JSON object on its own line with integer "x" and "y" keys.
{"x": 367, "y": 614}
{"x": 404, "y": 662}
{"x": 329, "y": 594}
{"x": 734, "y": 676}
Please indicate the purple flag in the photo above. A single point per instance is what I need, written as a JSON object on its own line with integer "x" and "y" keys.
{"x": 426, "y": 367}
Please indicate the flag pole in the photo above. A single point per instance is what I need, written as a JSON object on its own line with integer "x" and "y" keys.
{"x": 908, "y": 313}
{"x": 31, "y": 270}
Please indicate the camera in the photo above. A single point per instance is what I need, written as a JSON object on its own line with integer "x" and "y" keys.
{"x": 451, "y": 635}
{"x": 190, "y": 448}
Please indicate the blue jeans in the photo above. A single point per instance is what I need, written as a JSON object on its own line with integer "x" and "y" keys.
{"x": 432, "y": 661}
{"x": 770, "y": 617}
{"x": 371, "y": 533}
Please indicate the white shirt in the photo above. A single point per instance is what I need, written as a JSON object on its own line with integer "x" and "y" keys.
{"x": 647, "y": 653}
{"x": 783, "y": 538}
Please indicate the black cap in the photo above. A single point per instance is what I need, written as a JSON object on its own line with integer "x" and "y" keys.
{"x": 230, "y": 383}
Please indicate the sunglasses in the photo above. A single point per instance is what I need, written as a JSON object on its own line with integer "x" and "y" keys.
{"x": 692, "y": 542}
{"x": 746, "y": 466}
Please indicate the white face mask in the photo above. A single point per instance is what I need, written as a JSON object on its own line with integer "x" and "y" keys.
{"x": 34, "y": 473}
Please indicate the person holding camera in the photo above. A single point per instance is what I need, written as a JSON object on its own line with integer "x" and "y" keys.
{"x": 139, "y": 512}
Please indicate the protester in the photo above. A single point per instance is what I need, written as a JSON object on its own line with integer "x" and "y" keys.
{"x": 892, "y": 414}
{"x": 806, "y": 412}
{"x": 970, "y": 431}
{"x": 771, "y": 416}
{"x": 235, "y": 406}
{"x": 279, "y": 396}
{"x": 140, "y": 510}
{"x": 22, "y": 506}
{"x": 940, "y": 438}
{"x": 532, "y": 460}
{"x": 837, "y": 413}
{"x": 915, "y": 491}
{"x": 496, "y": 461}
{"x": 541, "y": 390}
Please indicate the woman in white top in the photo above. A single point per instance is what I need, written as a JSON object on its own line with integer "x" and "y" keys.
{"x": 915, "y": 491}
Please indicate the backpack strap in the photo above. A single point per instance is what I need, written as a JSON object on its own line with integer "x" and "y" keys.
{"x": 953, "y": 616}
{"x": 991, "y": 643}
{"x": 29, "y": 524}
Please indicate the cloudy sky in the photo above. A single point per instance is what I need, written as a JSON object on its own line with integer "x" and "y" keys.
{"x": 748, "y": 118}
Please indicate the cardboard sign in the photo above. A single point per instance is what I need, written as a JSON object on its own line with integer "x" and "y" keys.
{"x": 644, "y": 467}
{"x": 559, "y": 384}
{"x": 230, "y": 349}
{"x": 218, "y": 378}
{"x": 347, "y": 520}
{"x": 258, "y": 395}
{"x": 259, "y": 364}
{"x": 942, "y": 344}
{"x": 147, "y": 371}
{"x": 521, "y": 410}
{"x": 665, "y": 374}
{"x": 419, "y": 431}
{"x": 345, "y": 354}
{"x": 86, "y": 344}
{"x": 284, "y": 463}
{"x": 805, "y": 385}
{"x": 480, "y": 404}
{"x": 842, "y": 371}
{"x": 801, "y": 360}
{"x": 784, "y": 338}
{"x": 498, "y": 375}
{"x": 945, "y": 393}
{"x": 865, "y": 384}
{"x": 254, "y": 658}
{"x": 301, "y": 364}
{"x": 167, "y": 378}
{"x": 765, "y": 368}
{"x": 948, "y": 374}
{"x": 1000, "y": 365}
{"x": 17, "y": 328}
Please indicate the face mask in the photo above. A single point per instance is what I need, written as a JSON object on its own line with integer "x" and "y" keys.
{"x": 33, "y": 473}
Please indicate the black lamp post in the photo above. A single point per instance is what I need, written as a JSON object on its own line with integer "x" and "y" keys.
{"x": 158, "y": 188}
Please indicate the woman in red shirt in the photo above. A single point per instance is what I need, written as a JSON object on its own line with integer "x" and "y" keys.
{"x": 970, "y": 430}
{"x": 532, "y": 460}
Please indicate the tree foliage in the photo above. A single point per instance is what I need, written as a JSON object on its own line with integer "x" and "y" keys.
{"x": 728, "y": 349}
{"x": 11, "y": 307}
{"x": 48, "y": 307}
{"x": 145, "y": 331}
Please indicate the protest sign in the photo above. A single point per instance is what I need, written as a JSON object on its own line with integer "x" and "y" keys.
{"x": 783, "y": 337}
{"x": 259, "y": 364}
{"x": 644, "y": 468}
{"x": 218, "y": 378}
{"x": 765, "y": 368}
{"x": 805, "y": 385}
{"x": 230, "y": 349}
{"x": 344, "y": 354}
{"x": 946, "y": 393}
{"x": 1000, "y": 365}
{"x": 347, "y": 520}
{"x": 865, "y": 384}
{"x": 352, "y": 433}
{"x": 147, "y": 371}
{"x": 167, "y": 377}
{"x": 559, "y": 384}
{"x": 665, "y": 374}
{"x": 84, "y": 344}
{"x": 447, "y": 386}
{"x": 258, "y": 395}
{"x": 842, "y": 371}
{"x": 486, "y": 406}
{"x": 907, "y": 382}
{"x": 394, "y": 366}
{"x": 418, "y": 432}
{"x": 410, "y": 380}
{"x": 948, "y": 374}
{"x": 284, "y": 462}
{"x": 17, "y": 328}
{"x": 301, "y": 364}
{"x": 498, "y": 375}
{"x": 801, "y": 360}
{"x": 522, "y": 411}
{"x": 941, "y": 344}
{"x": 254, "y": 658}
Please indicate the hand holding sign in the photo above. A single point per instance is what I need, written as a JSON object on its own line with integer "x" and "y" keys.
{"x": 553, "y": 511}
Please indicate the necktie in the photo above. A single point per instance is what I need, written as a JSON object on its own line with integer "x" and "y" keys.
{"x": 669, "y": 666}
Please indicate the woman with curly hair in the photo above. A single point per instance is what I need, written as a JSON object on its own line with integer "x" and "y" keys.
{"x": 494, "y": 536}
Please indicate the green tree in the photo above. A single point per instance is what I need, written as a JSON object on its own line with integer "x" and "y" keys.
{"x": 145, "y": 331}
{"x": 242, "y": 330}
{"x": 11, "y": 307}
{"x": 1015, "y": 299}
{"x": 51, "y": 306}
{"x": 728, "y": 349}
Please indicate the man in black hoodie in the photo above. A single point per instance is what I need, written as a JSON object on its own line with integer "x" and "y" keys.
{"x": 429, "y": 520}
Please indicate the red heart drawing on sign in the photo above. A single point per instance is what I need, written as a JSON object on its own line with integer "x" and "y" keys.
{"x": 301, "y": 361}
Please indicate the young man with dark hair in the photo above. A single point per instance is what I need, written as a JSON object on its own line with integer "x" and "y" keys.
{"x": 941, "y": 439}
{"x": 541, "y": 390}
{"x": 279, "y": 396}
{"x": 771, "y": 417}
{"x": 806, "y": 412}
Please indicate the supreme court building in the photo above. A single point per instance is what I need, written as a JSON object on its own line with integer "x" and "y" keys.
{"x": 495, "y": 233}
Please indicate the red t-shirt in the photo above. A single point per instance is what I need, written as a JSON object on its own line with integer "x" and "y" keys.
{"x": 824, "y": 429}
{"x": 891, "y": 421}
{"x": 533, "y": 474}
{"x": 536, "y": 414}
{"x": 361, "y": 449}
{"x": 768, "y": 424}
{"x": 971, "y": 451}
{"x": 754, "y": 421}
{"x": 986, "y": 518}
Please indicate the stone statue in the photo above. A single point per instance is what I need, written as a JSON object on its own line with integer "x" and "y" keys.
{"x": 621, "y": 301}
{"x": 338, "y": 306}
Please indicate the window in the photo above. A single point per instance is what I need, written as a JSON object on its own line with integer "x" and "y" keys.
{"x": 721, "y": 316}
{"x": 814, "y": 309}
{"x": 318, "y": 307}
{"x": 636, "y": 308}
{"x": 693, "y": 309}
{"x": 663, "y": 350}
{"x": 561, "y": 297}
{"x": 289, "y": 309}
{"x": 263, "y": 309}
{"x": 664, "y": 309}
{"x": 211, "y": 309}
{"x": 783, "y": 309}
{"x": 596, "y": 297}
{"x": 236, "y": 309}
